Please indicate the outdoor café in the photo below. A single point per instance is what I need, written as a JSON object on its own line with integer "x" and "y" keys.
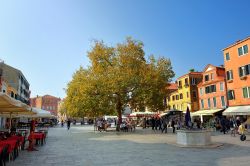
{"x": 13, "y": 139}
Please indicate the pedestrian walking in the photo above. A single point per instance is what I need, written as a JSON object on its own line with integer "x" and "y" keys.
{"x": 68, "y": 124}
{"x": 173, "y": 125}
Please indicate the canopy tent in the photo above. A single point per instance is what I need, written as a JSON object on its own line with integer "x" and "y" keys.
{"x": 171, "y": 112}
{"x": 205, "y": 112}
{"x": 141, "y": 114}
{"x": 237, "y": 110}
{"x": 40, "y": 113}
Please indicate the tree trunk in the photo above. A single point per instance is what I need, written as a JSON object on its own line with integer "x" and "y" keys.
{"x": 119, "y": 111}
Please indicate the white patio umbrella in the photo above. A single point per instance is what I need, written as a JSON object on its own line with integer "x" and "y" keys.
{"x": 10, "y": 107}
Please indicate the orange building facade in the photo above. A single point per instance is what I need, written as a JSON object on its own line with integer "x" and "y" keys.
{"x": 237, "y": 65}
{"x": 212, "y": 90}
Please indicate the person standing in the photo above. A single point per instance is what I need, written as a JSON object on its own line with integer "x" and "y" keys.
{"x": 173, "y": 125}
{"x": 68, "y": 124}
{"x": 153, "y": 123}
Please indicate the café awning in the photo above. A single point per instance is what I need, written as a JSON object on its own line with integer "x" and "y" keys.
{"x": 40, "y": 113}
{"x": 237, "y": 110}
{"x": 139, "y": 114}
{"x": 205, "y": 112}
{"x": 10, "y": 106}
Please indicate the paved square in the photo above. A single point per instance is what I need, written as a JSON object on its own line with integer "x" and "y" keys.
{"x": 81, "y": 146}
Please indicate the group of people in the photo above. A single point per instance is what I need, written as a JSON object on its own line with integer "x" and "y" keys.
{"x": 163, "y": 123}
{"x": 68, "y": 123}
{"x": 128, "y": 124}
{"x": 233, "y": 125}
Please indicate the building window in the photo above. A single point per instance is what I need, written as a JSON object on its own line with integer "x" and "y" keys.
{"x": 243, "y": 50}
{"x": 246, "y": 92}
{"x": 181, "y": 96}
{"x": 201, "y": 91}
{"x": 12, "y": 94}
{"x": 231, "y": 95}
{"x": 193, "y": 81}
{"x": 173, "y": 98}
{"x": 229, "y": 75}
{"x": 222, "y": 101}
{"x": 210, "y": 89}
{"x": 202, "y": 104}
{"x": 244, "y": 70}
{"x": 206, "y": 77}
{"x": 177, "y": 97}
{"x": 180, "y": 84}
{"x": 187, "y": 95}
{"x": 214, "y": 101}
{"x": 212, "y": 76}
{"x": 227, "y": 57}
{"x": 221, "y": 86}
{"x": 208, "y": 103}
{"x": 186, "y": 81}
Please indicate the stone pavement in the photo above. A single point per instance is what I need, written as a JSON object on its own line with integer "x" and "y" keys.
{"x": 81, "y": 146}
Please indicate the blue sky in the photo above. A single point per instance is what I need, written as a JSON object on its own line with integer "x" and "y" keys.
{"x": 48, "y": 40}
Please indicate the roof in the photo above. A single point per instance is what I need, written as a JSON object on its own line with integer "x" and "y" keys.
{"x": 172, "y": 86}
{"x": 236, "y": 43}
{"x": 217, "y": 67}
{"x": 190, "y": 73}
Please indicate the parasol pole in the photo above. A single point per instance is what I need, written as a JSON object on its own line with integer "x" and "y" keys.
{"x": 10, "y": 121}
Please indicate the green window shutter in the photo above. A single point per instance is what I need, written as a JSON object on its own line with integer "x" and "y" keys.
{"x": 240, "y": 51}
{"x": 214, "y": 99}
{"x": 245, "y": 95}
{"x": 245, "y": 49}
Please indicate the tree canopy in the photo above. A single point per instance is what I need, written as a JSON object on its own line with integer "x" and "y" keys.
{"x": 118, "y": 76}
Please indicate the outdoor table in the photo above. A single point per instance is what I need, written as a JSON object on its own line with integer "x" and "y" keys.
{"x": 3, "y": 154}
{"x": 20, "y": 139}
{"x": 38, "y": 137}
{"x": 11, "y": 146}
{"x": 45, "y": 131}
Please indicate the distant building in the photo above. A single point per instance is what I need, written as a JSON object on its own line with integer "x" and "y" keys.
{"x": 17, "y": 83}
{"x": 170, "y": 88}
{"x": 47, "y": 102}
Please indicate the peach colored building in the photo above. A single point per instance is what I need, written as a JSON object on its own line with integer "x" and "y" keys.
{"x": 237, "y": 65}
{"x": 212, "y": 91}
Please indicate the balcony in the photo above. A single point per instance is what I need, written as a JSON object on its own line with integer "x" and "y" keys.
{"x": 229, "y": 81}
{"x": 186, "y": 85}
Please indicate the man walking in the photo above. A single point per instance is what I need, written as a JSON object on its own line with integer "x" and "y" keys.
{"x": 68, "y": 123}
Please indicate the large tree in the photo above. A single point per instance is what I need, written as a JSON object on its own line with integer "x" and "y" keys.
{"x": 118, "y": 76}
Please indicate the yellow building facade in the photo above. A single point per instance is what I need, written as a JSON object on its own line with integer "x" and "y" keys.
{"x": 187, "y": 93}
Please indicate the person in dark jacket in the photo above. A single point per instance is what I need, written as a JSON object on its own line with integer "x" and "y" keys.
{"x": 173, "y": 125}
{"x": 68, "y": 124}
{"x": 153, "y": 123}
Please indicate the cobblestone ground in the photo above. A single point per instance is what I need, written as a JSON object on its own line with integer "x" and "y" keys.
{"x": 81, "y": 146}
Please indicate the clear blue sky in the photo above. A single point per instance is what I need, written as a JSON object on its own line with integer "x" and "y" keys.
{"x": 48, "y": 39}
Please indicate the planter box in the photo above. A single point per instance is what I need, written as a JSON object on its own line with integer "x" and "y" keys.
{"x": 194, "y": 137}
